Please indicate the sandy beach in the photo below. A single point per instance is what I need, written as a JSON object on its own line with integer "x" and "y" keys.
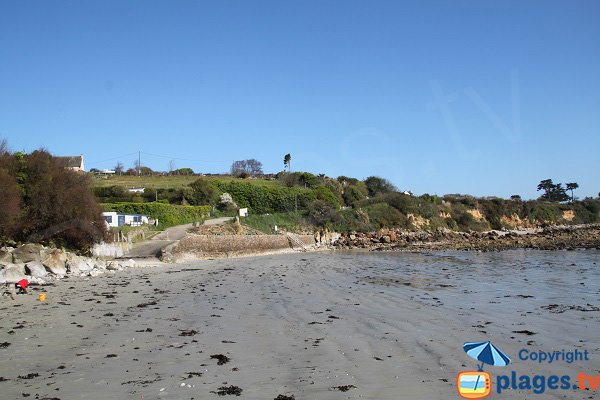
{"x": 343, "y": 325}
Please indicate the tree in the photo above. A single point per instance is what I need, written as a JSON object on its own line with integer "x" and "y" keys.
{"x": 546, "y": 185}
{"x": 377, "y": 185}
{"x": 572, "y": 186}
{"x": 246, "y": 167}
{"x": 10, "y": 204}
{"x": 515, "y": 197}
{"x": 552, "y": 192}
{"x": 287, "y": 162}
{"x": 203, "y": 192}
{"x": 119, "y": 168}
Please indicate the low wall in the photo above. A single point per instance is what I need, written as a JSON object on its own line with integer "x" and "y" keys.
{"x": 111, "y": 250}
{"x": 213, "y": 246}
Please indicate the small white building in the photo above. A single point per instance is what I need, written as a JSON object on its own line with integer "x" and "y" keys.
{"x": 114, "y": 219}
{"x": 243, "y": 212}
{"x": 136, "y": 190}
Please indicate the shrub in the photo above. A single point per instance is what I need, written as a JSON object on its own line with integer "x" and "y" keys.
{"x": 167, "y": 214}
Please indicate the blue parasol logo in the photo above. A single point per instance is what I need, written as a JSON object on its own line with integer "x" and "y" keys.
{"x": 487, "y": 353}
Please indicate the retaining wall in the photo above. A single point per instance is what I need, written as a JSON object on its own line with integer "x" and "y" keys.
{"x": 212, "y": 246}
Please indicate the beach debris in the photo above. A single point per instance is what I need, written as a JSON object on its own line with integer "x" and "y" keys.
{"x": 191, "y": 332}
{"x": 227, "y": 390}
{"x": 561, "y": 308}
{"x": 284, "y": 397}
{"x": 192, "y": 374}
{"x": 31, "y": 375}
{"x": 525, "y": 332}
{"x": 111, "y": 356}
{"x": 221, "y": 359}
{"x": 4, "y": 345}
{"x": 344, "y": 388}
{"x": 150, "y": 303}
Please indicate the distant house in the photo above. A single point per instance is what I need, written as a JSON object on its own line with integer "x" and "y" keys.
{"x": 116, "y": 220}
{"x": 74, "y": 163}
{"x": 136, "y": 190}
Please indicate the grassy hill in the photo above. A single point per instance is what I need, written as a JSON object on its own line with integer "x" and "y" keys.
{"x": 166, "y": 182}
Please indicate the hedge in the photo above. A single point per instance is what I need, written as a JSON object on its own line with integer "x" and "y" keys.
{"x": 167, "y": 214}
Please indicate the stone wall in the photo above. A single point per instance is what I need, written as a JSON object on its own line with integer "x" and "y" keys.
{"x": 214, "y": 246}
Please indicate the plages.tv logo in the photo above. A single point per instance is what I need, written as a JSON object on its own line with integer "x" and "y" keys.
{"x": 478, "y": 384}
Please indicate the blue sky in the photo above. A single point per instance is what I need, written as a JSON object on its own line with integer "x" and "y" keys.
{"x": 479, "y": 97}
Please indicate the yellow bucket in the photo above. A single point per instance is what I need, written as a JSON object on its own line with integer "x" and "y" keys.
{"x": 42, "y": 297}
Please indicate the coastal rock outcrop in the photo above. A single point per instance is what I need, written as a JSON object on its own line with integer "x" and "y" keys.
{"x": 28, "y": 252}
{"x": 55, "y": 262}
{"x": 35, "y": 269}
{"x": 13, "y": 273}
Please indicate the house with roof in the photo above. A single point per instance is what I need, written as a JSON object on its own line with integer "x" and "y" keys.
{"x": 74, "y": 163}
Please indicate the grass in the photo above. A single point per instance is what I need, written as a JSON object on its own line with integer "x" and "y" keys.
{"x": 167, "y": 182}
{"x": 290, "y": 221}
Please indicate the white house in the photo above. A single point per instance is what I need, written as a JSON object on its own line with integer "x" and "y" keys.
{"x": 115, "y": 219}
{"x": 136, "y": 190}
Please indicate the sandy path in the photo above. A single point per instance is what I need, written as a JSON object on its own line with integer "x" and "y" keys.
{"x": 298, "y": 324}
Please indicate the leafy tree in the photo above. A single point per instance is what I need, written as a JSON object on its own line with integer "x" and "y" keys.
{"x": 10, "y": 204}
{"x": 183, "y": 171}
{"x": 572, "y": 186}
{"x": 552, "y": 192}
{"x": 546, "y": 185}
{"x": 515, "y": 197}
{"x": 287, "y": 161}
{"x": 203, "y": 192}
{"x": 377, "y": 185}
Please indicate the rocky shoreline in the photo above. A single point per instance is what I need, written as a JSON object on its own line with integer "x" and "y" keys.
{"x": 549, "y": 238}
{"x": 41, "y": 265}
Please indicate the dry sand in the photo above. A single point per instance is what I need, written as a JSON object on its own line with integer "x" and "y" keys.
{"x": 390, "y": 325}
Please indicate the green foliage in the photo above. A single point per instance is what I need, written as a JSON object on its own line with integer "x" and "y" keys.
{"x": 44, "y": 202}
{"x": 183, "y": 171}
{"x": 322, "y": 213}
{"x": 203, "y": 192}
{"x": 167, "y": 214}
{"x": 290, "y": 221}
{"x": 377, "y": 185}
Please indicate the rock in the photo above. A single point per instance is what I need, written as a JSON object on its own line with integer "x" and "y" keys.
{"x": 28, "y": 252}
{"x": 393, "y": 236}
{"x": 114, "y": 266}
{"x": 35, "y": 269}
{"x": 386, "y": 239}
{"x": 13, "y": 273}
{"x": 79, "y": 265}
{"x": 6, "y": 257}
{"x": 95, "y": 272}
{"x": 100, "y": 264}
{"x": 128, "y": 263}
{"x": 55, "y": 262}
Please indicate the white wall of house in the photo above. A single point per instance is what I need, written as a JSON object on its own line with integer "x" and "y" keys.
{"x": 114, "y": 219}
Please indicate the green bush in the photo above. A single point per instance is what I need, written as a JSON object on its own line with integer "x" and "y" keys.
{"x": 167, "y": 214}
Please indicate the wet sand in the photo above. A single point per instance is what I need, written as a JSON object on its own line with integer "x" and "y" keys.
{"x": 315, "y": 326}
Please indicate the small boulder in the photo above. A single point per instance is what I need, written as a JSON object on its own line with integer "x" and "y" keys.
{"x": 114, "y": 266}
{"x": 95, "y": 272}
{"x": 12, "y": 273}
{"x": 35, "y": 269}
{"x": 79, "y": 265}
{"x": 28, "y": 252}
{"x": 128, "y": 263}
{"x": 100, "y": 264}
{"x": 6, "y": 257}
{"x": 55, "y": 262}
